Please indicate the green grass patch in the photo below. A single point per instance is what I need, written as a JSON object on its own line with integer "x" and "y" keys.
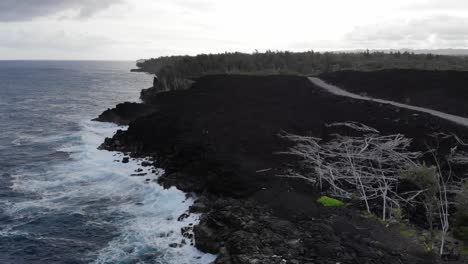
{"x": 416, "y": 236}
{"x": 330, "y": 202}
{"x": 464, "y": 251}
{"x": 408, "y": 233}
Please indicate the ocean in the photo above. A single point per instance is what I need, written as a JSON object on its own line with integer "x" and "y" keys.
{"x": 61, "y": 199}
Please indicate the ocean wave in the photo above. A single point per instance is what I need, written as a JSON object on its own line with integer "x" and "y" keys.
{"x": 22, "y": 139}
{"x": 95, "y": 191}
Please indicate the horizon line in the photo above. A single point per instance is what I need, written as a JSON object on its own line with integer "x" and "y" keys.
{"x": 90, "y": 60}
{"x": 356, "y": 50}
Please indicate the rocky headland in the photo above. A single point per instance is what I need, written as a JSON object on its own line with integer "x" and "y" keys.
{"x": 219, "y": 141}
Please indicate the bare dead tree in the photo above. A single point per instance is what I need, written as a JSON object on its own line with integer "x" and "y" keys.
{"x": 439, "y": 185}
{"x": 446, "y": 185}
{"x": 365, "y": 166}
{"x": 371, "y": 166}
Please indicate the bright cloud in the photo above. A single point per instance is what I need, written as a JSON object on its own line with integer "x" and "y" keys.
{"x": 132, "y": 29}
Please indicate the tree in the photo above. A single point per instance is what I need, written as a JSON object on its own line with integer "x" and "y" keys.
{"x": 437, "y": 185}
{"x": 366, "y": 166}
{"x": 277, "y": 62}
{"x": 371, "y": 166}
{"x": 425, "y": 179}
{"x": 461, "y": 219}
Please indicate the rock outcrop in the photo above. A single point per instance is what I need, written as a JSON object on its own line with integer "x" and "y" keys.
{"x": 125, "y": 113}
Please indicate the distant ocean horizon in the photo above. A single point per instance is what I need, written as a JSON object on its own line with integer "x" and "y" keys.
{"x": 61, "y": 199}
{"x": 66, "y": 60}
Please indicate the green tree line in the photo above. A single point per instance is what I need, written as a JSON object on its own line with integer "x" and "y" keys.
{"x": 175, "y": 71}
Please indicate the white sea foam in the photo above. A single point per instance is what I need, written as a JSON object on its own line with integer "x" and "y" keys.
{"x": 22, "y": 139}
{"x": 25, "y": 139}
{"x": 144, "y": 214}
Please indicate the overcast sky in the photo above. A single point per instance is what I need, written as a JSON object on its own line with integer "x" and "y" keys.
{"x": 133, "y": 29}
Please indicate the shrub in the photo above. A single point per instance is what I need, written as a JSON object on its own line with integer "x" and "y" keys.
{"x": 461, "y": 220}
{"x": 330, "y": 202}
{"x": 423, "y": 176}
{"x": 397, "y": 214}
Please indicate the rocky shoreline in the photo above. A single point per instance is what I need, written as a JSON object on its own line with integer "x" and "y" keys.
{"x": 218, "y": 140}
{"x": 124, "y": 113}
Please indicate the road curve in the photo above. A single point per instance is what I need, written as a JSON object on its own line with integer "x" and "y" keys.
{"x": 340, "y": 92}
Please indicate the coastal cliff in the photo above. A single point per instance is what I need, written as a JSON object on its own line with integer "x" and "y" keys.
{"x": 219, "y": 140}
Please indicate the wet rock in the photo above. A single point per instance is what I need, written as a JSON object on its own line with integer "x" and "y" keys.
{"x": 183, "y": 216}
{"x": 138, "y": 174}
{"x": 187, "y": 232}
{"x": 146, "y": 164}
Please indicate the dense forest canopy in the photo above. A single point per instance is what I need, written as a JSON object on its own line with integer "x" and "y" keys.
{"x": 175, "y": 72}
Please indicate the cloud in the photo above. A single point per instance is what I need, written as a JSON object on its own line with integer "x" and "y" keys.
{"x": 437, "y": 5}
{"x": 197, "y": 5}
{"x": 25, "y": 10}
{"x": 44, "y": 41}
{"x": 432, "y": 31}
{"x": 34, "y": 39}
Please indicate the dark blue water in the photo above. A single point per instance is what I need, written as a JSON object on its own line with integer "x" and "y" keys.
{"x": 61, "y": 199}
